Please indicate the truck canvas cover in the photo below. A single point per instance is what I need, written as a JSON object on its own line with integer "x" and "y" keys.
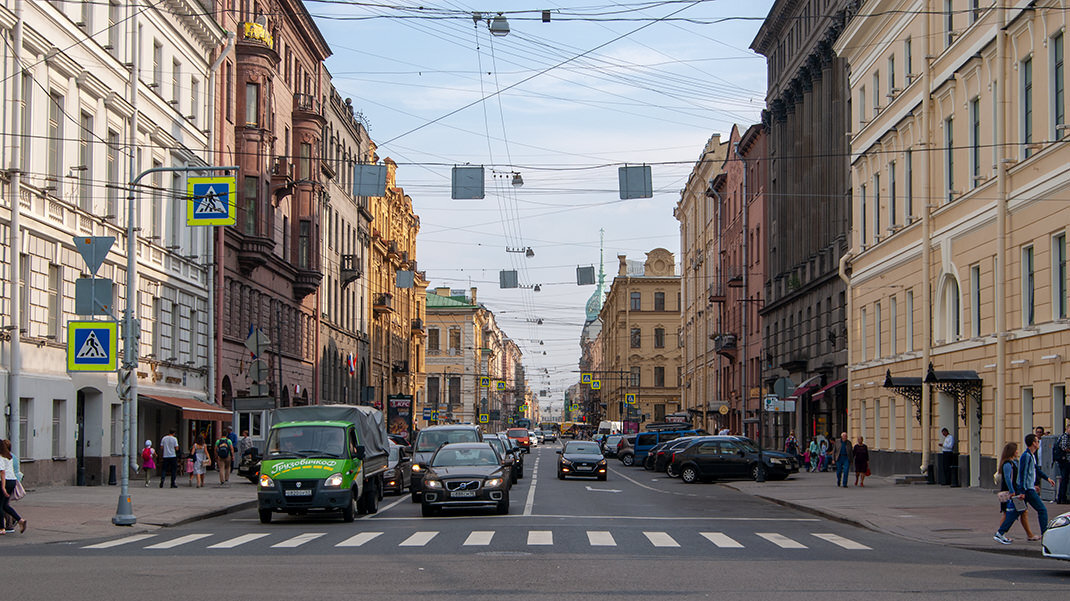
{"x": 371, "y": 428}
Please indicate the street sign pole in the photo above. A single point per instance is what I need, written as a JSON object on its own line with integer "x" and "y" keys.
{"x": 124, "y": 512}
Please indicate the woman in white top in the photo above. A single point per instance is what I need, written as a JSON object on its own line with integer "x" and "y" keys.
{"x": 7, "y": 473}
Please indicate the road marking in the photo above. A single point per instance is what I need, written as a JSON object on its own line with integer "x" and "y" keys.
{"x": 240, "y": 540}
{"x": 661, "y": 539}
{"x": 603, "y": 489}
{"x": 171, "y": 544}
{"x": 601, "y": 538}
{"x": 781, "y": 541}
{"x": 607, "y": 517}
{"x": 382, "y": 510}
{"x": 540, "y": 537}
{"x": 846, "y": 543}
{"x": 478, "y": 538}
{"x": 722, "y": 540}
{"x": 298, "y": 540}
{"x": 358, "y": 539}
{"x": 120, "y": 541}
{"x": 531, "y": 490}
{"x": 418, "y": 539}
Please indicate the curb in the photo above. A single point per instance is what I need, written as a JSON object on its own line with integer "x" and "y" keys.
{"x": 211, "y": 514}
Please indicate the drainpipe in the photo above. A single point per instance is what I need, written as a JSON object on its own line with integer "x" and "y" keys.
{"x": 14, "y": 246}
{"x": 720, "y": 317}
{"x": 746, "y": 309}
{"x": 926, "y": 245}
{"x": 131, "y": 320}
{"x": 1001, "y": 234}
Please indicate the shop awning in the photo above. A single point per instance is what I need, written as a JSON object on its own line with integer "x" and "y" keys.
{"x": 191, "y": 408}
{"x": 820, "y": 394}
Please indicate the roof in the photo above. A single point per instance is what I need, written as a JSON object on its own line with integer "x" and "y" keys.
{"x": 437, "y": 301}
{"x": 333, "y": 424}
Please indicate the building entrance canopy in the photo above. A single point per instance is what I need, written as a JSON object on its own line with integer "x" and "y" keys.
{"x": 963, "y": 385}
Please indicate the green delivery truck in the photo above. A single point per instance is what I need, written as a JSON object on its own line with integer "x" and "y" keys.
{"x": 323, "y": 458}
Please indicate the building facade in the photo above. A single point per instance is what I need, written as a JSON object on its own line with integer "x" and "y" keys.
{"x": 958, "y": 255}
{"x": 808, "y": 212}
{"x": 640, "y": 353}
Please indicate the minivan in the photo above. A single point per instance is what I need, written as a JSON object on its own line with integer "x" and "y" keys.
{"x": 644, "y": 441}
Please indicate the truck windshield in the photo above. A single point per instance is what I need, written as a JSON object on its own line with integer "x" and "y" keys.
{"x": 306, "y": 441}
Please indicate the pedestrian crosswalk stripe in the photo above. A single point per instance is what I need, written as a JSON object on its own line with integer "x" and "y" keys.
{"x": 781, "y": 541}
{"x": 120, "y": 541}
{"x": 661, "y": 539}
{"x": 601, "y": 538}
{"x": 418, "y": 539}
{"x": 175, "y": 542}
{"x": 722, "y": 540}
{"x": 479, "y": 537}
{"x": 846, "y": 543}
{"x": 359, "y": 539}
{"x": 540, "y": 537}
{"x": 298, "y": 540}
{"x": 236, "y": 541}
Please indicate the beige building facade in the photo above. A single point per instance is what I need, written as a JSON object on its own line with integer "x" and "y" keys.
{"x": 958, "y": 250}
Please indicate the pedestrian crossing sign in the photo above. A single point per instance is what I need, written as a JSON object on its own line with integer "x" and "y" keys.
{"x": 484, "y": 382}
{"x": 596, "y": 384}
{"x": 629, "y": 398}
{"x": 499, "y": 385}
{"x": 484, "y": 418}
{"x": 211, "y": 201}
{"x": 92, "y": 345}
{"x": 585, "y": 378}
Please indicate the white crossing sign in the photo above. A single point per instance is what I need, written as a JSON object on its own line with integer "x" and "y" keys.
{"x": 211, "y": 201}
{"x": 92, "y": 345}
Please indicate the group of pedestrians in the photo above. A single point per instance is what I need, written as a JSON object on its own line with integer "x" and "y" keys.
{"x": 199, "y": 459}
{"x": 1019, "y": 479}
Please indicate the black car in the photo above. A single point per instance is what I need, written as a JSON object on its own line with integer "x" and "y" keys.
{"x": 517, "y": 452}
{"x": 398, "y": 474}
{"x": 663, "y": 457}
{"x": 429, "y": 440}
{"x": 580, "y": 458}
{"x": 465, "y": 475}
{"x": 648, "y": 461}
{"x": 506, "y": 456}
{"x": 609, "y": 445}
{"x": 730, "y": 457}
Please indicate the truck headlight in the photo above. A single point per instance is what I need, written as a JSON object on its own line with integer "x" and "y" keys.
{"x": 493, "y": 483}
{"x": 432, "y": 484}
{"x": 333, "y": 481}
{"x": 266, "y": 481}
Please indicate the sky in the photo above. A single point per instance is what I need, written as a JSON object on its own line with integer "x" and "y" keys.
{"x": 564, "y": 104}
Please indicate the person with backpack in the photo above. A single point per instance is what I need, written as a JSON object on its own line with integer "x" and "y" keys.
{"x": 148, "y": 461}
{"x": 224, "y": 454}
{"x": 1061, "y": 454}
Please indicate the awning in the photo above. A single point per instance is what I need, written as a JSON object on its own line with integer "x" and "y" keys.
{"x": 800, "y": 391}
{"x": 191, "y": 408}
{"x": 817, "y": 396}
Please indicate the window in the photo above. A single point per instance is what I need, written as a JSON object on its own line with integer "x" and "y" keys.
{"x": 115, "y": 27}
{"x": 636, "y": 301}
{"x": 877, "y": 206}
{"x": 878, "y": 325}
{"x": 25, "y": 409}
{"x": 454, "y": 391}
{"x": 27, "y": 120}
{"x": 157, "y": 65}
{"x": 949, "y": 158}
{"x": 432, "y": 340}
{"x": 59, "y": 407}
{"x": 951, "y": 303}
{"x": 659, "y": 301}
{"x": 1028, "y": 287}
{"x": 24, "y": 294}
{"x": 975, "y": 11}
{"x": 636, "y": 338}
{"x": 862, "y": 214}
{"x": 1058, "y": 272}
{"x": 636, "y": 377}
{"x": 304, "y": 244}
{"x": 156, "y": 210}
{"x": 116, "y": 429}
{"x": 228, "y": 75}
{"x": 113, "y": 172}
{"x": 251, "y": 421}
{"x": 876, "y": 93}
{"x": 862, "y": 106}
{"x": 55, "y": 143}
{"x": 176, "y": 84}
{"x": 949, "y": 22}
{"x": 910, "y": 320}
{"x": 863, "y": 342}
{"x": 908, "y": 175}
{"x": 975, "y": 142}
{"x": 305, "y": 161}
{"x": 975, "y": 300}
{"x": 455, "y": 341}
{"x": 85, "y": 163}
{"x": 178, "y": 211}
{"x": 891, "y": 76}
{"x": 908, "y": 61}
{"x": 1058, "y": 86}
{"x": 252, "y": 105}
{"x": 194, "y": 100}
{"x": 659, "y": 337}
{"x": 659, "y": 377}
{"x": 1027, "y": 106}
{"x": 434, "y": 396}
{"x": 892, "y": 198}
{"x": 893, "y": 332}
{"x": 251, "y": 207}
{"x": 55, "y": 300}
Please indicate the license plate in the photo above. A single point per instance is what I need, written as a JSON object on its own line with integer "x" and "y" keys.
{"x": 463, "y": 493}
{"x": 298, "y": 493}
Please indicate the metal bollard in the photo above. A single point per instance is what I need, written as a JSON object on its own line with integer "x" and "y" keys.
{"x": 112, "y": 481}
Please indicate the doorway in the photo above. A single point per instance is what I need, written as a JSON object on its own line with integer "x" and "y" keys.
{"x": 89, "y": 437}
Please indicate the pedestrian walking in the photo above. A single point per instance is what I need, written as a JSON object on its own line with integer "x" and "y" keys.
{"x": 200, "y": 460}
{"x": 842, "y": 455}
{"x": 1039, "y": 431}
{"x": 1061, "y": 454}
{"x": 861, "y": 456}
{"x": 224, "y": 454}
{"x": 169, "y": 453}
{"x": 10, "y": 479}
{"x": 1011, "y": 500}
{"x": 148, "y": 461}
{"x": 1029, "y": 477}
{"x": 791, "y": 446}
{"x": 822, "y": 451}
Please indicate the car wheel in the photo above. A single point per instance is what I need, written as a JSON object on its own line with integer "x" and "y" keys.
{"x": 265, "y": 516}
{"x": 689, "y": 474}
{"x": 628, "y": 460}
{"x": 349, "y": 512}
{"x": 757, "y": 472}
{"x": 428, "y": 510}
{"x": 670, "y": 472}
{"x": 503, "y": 505}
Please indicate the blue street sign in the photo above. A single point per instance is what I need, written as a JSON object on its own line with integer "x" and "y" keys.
{"x": 92, "y": 345}
{"x": 211, "y": 201}
{"x": 427, "y": 413}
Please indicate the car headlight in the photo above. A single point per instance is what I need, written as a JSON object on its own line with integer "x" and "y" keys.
{"x": 602, "y": 463}
{"x": 493, "y": 483}
{"x": 565, "y": 461}
{"x": 417, "y": 468}
{"x": 776, "y": 460}
{"x": 266, "y": 481}
{"x": 432, "y": 484}
{"x": 1059, "y": 522}
{"x": 333, "y": 481}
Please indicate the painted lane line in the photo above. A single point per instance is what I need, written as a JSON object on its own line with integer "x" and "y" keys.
{"x": 418, "y": 539}
{"x": 540, "y": 537}
{"x": 383, "y": 510}
{"x": 661, "y": 539}
{"x": 781, "y": 541}
{"x": 120, "y": 541}
{"x": 531, "y": 489}
{"x": 601, "y": 538}
{"x": 298, "y": 540}
{"x": 479, "y": 538}
{"x": 722, "y": 540}
{"x": 846, "y": 543}
{"x": 359, "y": 539}
{"x": 512, "y": 516}
{"x": 175, "y": 542}
{"x": 236, "y": 541}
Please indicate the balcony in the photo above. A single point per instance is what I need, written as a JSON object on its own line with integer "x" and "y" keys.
{"x": 724, "y": 345}
{"x": 307, "y": 107}
{"x": 400, "y": 367}
{"x": 307, "y": 282}
{"x": 384, "y": 303}
{"x": 418, "y": 325}
{"x": 350, "y": 269}
{"x": 254, "y": 251}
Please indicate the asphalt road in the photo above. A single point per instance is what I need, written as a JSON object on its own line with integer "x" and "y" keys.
{"x": 637, "y": 535}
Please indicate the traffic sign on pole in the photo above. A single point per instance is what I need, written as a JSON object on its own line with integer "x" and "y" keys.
{"x": 484, "y": 418}
{"x": 629, "y": 398}
{"x": 211, "y": 201}
{"x": 484, "y": 382}
{"x": 596, "y": 384}
{"x": 500, "y": 385}
{"x": 92, "y": 345}
{"x": 93, "y": 250}
{"x": 586, "y": 378}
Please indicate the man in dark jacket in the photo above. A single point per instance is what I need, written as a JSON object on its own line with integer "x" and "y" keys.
{"x": 842, "y": 455}
{"x": 1029, "y": 476}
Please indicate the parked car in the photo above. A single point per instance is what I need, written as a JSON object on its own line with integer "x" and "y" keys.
{"x": 398, "y": 475}
{"x": 506, "y": 456}
{"x": 580, "y": 458}
{"x": 609, "y": 445}
{"x": 644, "y": 441}
{"x": 465, "y": 475}
{"x": 1056, "y": 540}
{"x": 429, "y": 440}
{"x": 517, "y": 452}
{"x": 648, "y": 461}
{"x": 730, "y": 457}
{"x": 663, "y": 458}
{"x": 520, "y": 435}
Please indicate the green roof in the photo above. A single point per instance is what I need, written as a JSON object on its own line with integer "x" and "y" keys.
{"x": 437, "y": 301}
{"x": 332, "y": 424}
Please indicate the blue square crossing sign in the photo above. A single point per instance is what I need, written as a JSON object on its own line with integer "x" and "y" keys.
{"x": 92, "y": 345}
{"x": 211, "y": 201}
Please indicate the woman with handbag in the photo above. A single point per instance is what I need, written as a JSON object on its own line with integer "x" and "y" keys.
{"x": 11, "y": 481}
{"x": 1011, "y": 500}
{"x": 861, "y": 457}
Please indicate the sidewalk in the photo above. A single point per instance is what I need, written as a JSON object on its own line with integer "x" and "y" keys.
{"x": 959, "y": 517}
{"x": 73, "y": 513}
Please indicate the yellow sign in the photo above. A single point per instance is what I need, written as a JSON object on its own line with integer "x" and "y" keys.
{"x": 585, "y": 378}
{"x": 596, "y": 384}
{"x": 92, "y": 345}
{"x": 484, "y": 418}
{"x": 629, "y": 398}
{"x": 211, "y": 201}
{"x": 724, "y": 409}
{"x": 256, "y": 31}
{"x": 499, "y": 385}
{"x": 484, "y": 382}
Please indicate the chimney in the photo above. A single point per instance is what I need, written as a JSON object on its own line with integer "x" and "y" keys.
{"x": 622, "y": 271}
{"x": 472, "y": 291}
{"x": 442, "y": 291}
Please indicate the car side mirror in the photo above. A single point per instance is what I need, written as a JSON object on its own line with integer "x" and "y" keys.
{"x": 358, "y": 452}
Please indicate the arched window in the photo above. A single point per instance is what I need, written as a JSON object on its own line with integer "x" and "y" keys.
{"x": 950, "y": 310}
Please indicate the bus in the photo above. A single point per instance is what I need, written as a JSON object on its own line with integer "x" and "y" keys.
{"x": 523, "y": 422}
